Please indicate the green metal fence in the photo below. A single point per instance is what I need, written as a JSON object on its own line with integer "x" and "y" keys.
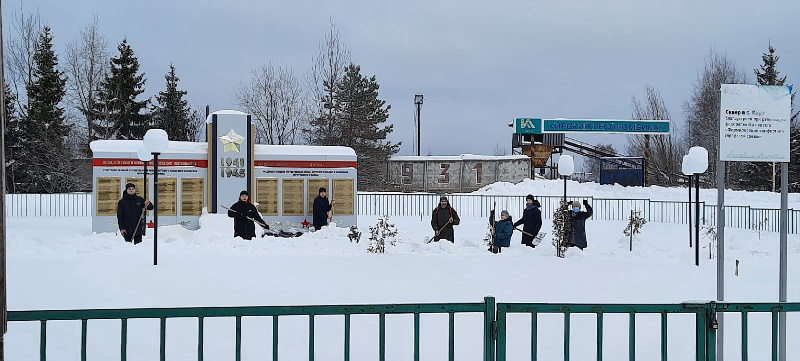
{"x": 163, "y": 314}
{"x": 495, "y": 324}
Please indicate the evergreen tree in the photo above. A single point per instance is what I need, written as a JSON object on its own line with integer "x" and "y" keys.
{"x": 768, "y": 74}
{"x": 324, "y": 129}
{"x": 48, "y": 157}
{"x": 172, "y": 112}
{"x": 118, "y": 115}
{"x": 758, "y": 176}
{"x": 794, "y": 165}
{"x": 14, "y": 137}
{"x": 359, "y": 123}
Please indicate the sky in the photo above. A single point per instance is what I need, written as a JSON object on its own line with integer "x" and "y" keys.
{"x": 479, "y": 64}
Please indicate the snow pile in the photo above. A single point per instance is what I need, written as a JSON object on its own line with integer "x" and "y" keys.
{"x": 61, "y": 264}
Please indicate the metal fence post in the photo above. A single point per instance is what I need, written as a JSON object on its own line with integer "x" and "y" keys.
{"x": 489, "y": 332}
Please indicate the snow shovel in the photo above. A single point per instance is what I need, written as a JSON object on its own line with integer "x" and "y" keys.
{"x": 536, "y": 239}
{"x": 429, "y": 240}
{"x": 264, "y": 226}
{"x": 138, "y": 222}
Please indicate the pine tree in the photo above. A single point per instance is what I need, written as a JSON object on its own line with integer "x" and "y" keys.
{"x": 768, "y": 75}
{"x": 794, "y": 165}
{"x": 118, "y": 115}
{"x": 758, "y": 175}
{"x": 325, "y": 129}
{"x": 173, "y": 113}
{"x": 360, "y": 120}
{"x": 49, "y": 167}
{"x": 14, "y": 136}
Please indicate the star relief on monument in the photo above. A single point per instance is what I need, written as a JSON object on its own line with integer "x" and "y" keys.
{"x": 231, "y": 142}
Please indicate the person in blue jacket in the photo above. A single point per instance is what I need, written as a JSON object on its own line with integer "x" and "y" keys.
{"x": 502, "y": 232}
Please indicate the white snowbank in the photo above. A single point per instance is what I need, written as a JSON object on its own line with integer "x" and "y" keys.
{"x": 60, "y": 264}
{"x": 223, "y": 112}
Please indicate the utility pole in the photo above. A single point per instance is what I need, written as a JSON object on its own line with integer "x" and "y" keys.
{"x": 646, "y": 158}
{"x": 418, "y": 102}
{"x": 3, "y": 296}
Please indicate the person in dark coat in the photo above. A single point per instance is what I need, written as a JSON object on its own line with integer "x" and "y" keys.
{"x": 321, "y": 209}
{"x": 130, "y": 213}
{"x": 503, "y": 230}
{"x": 443, "y": 219}
{"x": 239, "y": 211}
{"x": 577, "y": 236}
{"x": 531, "y": 220}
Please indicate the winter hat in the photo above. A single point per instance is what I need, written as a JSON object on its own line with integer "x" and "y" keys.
{"x": 244, "y": 193}
{"x": 504, "y": 213}
{"x": 442, "y": 198}
{"x": 322, "y": 189}
{"x": 530, "y": 196}
{"x": 130, "y": 185}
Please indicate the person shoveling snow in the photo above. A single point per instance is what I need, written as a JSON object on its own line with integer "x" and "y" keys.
{"x": 245, "y": 215}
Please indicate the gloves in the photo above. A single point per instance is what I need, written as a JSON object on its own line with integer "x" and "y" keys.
{"x": 585, "y": 202}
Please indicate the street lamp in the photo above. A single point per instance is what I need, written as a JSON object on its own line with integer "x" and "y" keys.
{"x": 696, "y": 163}
{"x": 156, "y": 142}
{"x": 145, "y": 157}
{"x": 565, "y": 168}
{"x": 418, "y": 102}
{"x": 685, "y": 170}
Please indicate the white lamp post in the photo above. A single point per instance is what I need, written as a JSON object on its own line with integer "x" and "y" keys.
{"x": 696, "y": 162}
{"x": 156, "y": 142}
{"x": 145, "y": 157}
{"x": 685, "y": 170}
{"x": 565, "y": 168}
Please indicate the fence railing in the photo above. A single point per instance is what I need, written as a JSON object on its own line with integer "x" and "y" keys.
{"x": 467, "y": 205}
{"x": 163, "y": 314}
{"x": 705, "y": 325}
{"x": 495, "y": 325}
{"x": 49, "y": 205}
{"x": 605, "y": 209}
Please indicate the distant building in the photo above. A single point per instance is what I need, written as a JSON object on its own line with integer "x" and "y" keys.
{"x": 196, "y": 177}
{"x": 452, "y": 174}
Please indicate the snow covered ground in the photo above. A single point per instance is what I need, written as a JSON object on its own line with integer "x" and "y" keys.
{"x": 58, "y": 263}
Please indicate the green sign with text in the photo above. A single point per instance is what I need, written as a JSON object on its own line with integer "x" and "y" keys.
{"x": 541, "y": 126}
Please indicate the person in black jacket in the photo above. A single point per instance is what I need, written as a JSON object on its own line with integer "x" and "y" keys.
{"x": 443, "y": 219}
{"x": 321, "y": 209}
{"x": 531, "y": 220}
{"x": 130, "y": 213}
{"x": 577, "y": 237}
{"x": 239, "y": 211}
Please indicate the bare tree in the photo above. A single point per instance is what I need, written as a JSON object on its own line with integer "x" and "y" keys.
{"x": 327, "y": 70}
{"x": 87, "y": 61}
{"x": 20, "y": 63}
{"x": 702, "y": 109}
{"x": 499, "y": 150}
{"x": 275, "y": 99}
{"x": 663, "y": 153}
{"x": 198, "y": 123}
